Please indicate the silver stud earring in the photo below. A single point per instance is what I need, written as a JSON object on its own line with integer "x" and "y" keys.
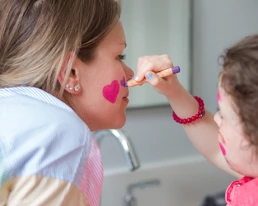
{"x": 68, "y": 86}
{"x": 77, "y": 87}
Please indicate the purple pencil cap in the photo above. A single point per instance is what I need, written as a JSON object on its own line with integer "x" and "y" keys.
{"x": 176, "y": 69}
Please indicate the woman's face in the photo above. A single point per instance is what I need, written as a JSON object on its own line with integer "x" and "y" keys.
{"x": 102, "y": 99}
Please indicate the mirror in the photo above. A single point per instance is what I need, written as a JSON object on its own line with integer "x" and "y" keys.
{"x": 156, "y": 27}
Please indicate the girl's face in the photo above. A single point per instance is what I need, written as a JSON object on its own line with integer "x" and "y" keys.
{"x": 234, "y": 146}
{"x": 102, "y": 100}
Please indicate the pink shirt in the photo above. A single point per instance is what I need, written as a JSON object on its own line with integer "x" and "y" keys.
{"x": 243, "y": 192}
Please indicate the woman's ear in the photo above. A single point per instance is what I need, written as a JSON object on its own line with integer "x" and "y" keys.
{"x": 69, "y": 74}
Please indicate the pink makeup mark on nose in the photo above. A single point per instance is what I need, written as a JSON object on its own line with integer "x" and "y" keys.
{"x": 111, "y": 91}
{"x": 222, "y": 149}
{"x": 123, "y": 83}
{"x": 218, "y": 97}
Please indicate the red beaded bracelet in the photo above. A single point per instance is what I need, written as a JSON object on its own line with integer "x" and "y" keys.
{"x": 199, "y": 115}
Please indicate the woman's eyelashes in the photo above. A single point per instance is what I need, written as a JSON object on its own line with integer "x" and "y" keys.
{"x": 122, "y": 56}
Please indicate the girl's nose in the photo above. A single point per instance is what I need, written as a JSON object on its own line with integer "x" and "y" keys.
{"x": 217, "y": 118}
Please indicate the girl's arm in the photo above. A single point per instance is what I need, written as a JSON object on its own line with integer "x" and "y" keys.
{"x": 203, "y": 133}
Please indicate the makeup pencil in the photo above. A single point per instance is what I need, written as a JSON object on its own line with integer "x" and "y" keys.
{"x": 164, "y": 73}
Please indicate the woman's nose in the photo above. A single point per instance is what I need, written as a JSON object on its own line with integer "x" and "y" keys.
{"x": 128, "y": 72}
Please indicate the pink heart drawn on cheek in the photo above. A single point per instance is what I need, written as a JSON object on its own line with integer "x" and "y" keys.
{"x": 111, "y": 91}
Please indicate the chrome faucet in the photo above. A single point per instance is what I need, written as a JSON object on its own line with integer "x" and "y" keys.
{"x": 125, "y": 144}
{"x": 129, "y": 199}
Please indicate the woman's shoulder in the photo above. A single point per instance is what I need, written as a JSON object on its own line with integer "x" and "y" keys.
{"x": 33, "y": 106}
{"x": 40, "y": 135}
{"x": 31, "y": 112}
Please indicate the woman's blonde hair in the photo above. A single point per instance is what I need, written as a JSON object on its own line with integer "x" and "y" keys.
{"x": 36, "y": 35}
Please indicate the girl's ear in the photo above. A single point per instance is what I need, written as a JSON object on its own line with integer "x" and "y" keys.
{"x": 69, "y": 74}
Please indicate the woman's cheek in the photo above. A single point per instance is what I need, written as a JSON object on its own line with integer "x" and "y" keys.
{"x": 111, "y": 91}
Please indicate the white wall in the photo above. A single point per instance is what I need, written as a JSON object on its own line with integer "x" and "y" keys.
{"x": 216, "y": 25}
{"x": 156, "y": 27}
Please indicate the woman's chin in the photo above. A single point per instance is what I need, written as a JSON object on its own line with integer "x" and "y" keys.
{"x": 114, "y": 124}
{"x": 119, "y": 124}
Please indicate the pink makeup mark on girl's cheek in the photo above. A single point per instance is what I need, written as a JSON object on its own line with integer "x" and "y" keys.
{"x": 222, "y": 149}
{"x": 111, "y": 91}
{"x": 218, "y": 97}
{"x": 123, "y": 83}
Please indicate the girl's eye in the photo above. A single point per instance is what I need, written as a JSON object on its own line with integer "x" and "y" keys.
{"x": 122, "y": 57}
{"x": 219, "y": 113}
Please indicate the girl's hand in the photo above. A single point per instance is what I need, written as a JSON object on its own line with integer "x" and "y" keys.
{"x": 147, "y": 66}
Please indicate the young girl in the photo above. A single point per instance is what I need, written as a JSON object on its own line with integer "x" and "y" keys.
{"x": 230, "y": 140}
{"x": 61, "y": 77}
